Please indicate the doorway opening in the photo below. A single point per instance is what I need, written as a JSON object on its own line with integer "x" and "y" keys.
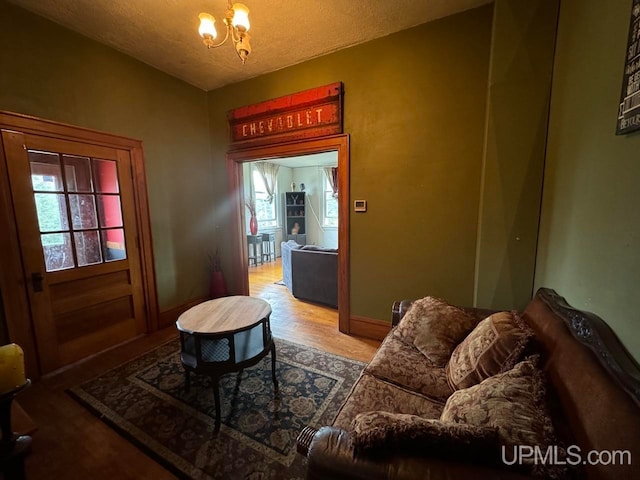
{"x": 241, "y": 253}
{"x": 293, "y": 240}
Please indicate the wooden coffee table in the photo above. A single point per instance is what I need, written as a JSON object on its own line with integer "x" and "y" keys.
{"x": 225, "y": 335}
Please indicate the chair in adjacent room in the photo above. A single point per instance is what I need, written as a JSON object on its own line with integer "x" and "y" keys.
{"x": 268, "y": 247}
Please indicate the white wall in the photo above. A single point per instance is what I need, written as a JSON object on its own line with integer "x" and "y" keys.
{"x": 285, "y": 177}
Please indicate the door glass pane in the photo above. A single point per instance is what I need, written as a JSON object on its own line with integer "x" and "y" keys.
{"x": 105, "y": 176}
{"x": 58, "y": 254}
{"x": 88, "y": 248}
{"x": 89, "y": 194}
{"x": 83, "y": 211}
{"x": 109, "y": 211}
{"x": 45, "y": 171}
{"x": 113, "y": 244}
{"x": 77, "y": 172}
{"x": 51, "y": 211}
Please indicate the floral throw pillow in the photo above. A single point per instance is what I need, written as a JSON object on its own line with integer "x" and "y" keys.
{"x": 435, "y": 328}
{"x": 396, "y": 432}
{"x": 494, "y": 346}
{"x": 515, "y": 403}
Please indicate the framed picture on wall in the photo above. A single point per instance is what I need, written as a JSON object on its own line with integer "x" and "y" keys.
{"x": 629, "y": 110}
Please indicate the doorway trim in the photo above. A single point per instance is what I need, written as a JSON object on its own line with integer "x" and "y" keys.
{"x": 13, "y": 284}
{"x": 236, "y": 158}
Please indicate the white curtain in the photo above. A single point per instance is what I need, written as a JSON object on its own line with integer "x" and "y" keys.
{"x": 269, "y": 173}
{"x": 332, "y": 176}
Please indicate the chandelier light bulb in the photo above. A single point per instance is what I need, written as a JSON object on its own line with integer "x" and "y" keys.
{"x": 207, "y": 28}
{"x": 236, "y": 23}
{"x": 240, "y": 17}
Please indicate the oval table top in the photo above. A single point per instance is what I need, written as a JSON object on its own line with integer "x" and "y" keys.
{"x": 225, "y": 314}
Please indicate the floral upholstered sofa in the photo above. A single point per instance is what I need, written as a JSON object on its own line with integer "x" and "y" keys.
{"x": 457, "y": 393}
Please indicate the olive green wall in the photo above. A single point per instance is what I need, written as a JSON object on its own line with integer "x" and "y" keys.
{"x": 522, "y": 49}
{"x": 414, "y": 107}
{"x": 589, "y": 246}
{"x": 53, "y": 73}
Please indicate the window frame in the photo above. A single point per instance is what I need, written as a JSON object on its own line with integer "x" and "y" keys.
{"x": 326, "y": 189}
{"x": 265, "y": 223}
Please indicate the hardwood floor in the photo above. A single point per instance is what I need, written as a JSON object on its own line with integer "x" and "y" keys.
{"x": 72, "y": 443}
{"x": 304, "y": 322}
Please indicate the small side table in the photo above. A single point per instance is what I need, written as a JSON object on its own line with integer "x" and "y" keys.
{"x": 268, "y": 253}
{"x": 225, "y": 335}
{"x": 253, "y": 242}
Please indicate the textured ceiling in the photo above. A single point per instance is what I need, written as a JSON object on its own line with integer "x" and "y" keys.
{"x": 163, "y": 33}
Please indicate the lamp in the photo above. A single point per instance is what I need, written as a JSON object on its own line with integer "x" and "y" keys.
{"x": 236, "y": 19}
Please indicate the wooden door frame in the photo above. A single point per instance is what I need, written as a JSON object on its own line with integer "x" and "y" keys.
{"x": 13, "y": 284}
{"x": 235, "y": 159}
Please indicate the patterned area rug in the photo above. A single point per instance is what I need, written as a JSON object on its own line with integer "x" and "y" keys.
{"x": 145, "y": 400}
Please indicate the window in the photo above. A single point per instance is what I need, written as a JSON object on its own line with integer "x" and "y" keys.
{"x": 79, "y": 213}
{"x": 265, "y": 211}
{"x": 330, "y": 207}
{"x": 49, "y": 208}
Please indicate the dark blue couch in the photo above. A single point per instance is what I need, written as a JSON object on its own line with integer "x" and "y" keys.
{"x": 311, "y": 272}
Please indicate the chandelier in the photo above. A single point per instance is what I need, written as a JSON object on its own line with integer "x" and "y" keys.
{"x": 236, "y": 19}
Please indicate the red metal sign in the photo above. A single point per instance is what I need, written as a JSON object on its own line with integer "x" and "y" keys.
{"x": 309, "y": 114}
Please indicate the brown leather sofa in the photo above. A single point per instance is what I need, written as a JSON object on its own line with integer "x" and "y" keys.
{"x": 595, "y": 382}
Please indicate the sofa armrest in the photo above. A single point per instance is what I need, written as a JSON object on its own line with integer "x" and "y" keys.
{"x": 303, "y": 442}
{"x": 314, "y": 276}
{"x": 401, "y": 307}
{"x": 331, "y": 456}
{"x": 398, "y": 310}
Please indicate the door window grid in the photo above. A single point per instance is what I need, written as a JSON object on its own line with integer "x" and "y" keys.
{"x": 95, "y": 214}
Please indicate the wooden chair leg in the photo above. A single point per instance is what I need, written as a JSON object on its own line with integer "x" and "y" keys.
{"x": 187, "y": 380}
{"x": 273, "y": 367}
{"x": 12, "y": 461}
{"x": 238, "y": 379}
{"x": 216, "y": 399}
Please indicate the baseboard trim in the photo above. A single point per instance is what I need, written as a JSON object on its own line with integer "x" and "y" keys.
{"x": 359, "y": 326}
{"x": 368, "y": 327}
{"x": 169, "y": 317}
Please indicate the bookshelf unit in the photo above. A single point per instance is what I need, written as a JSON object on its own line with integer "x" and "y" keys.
{"x": 295, "y": 210}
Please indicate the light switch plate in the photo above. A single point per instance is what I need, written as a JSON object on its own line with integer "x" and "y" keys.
{"x": 359, "y": 205}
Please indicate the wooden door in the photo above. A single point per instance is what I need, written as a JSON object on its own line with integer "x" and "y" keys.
{"x": 76, "y": 222}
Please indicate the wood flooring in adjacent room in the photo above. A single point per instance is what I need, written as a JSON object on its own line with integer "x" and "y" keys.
{"x": 304, "y": 322}
{"x": 72, "y": 443}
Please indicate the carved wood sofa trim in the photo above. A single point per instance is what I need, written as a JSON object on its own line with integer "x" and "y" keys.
{"x": 590, "y": 330}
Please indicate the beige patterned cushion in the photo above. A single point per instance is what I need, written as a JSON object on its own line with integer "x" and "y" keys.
{"x": 389, "y": 432}
{"x": 515, "y": 403}
{"x": 370, "y": 393}
{"x": 435, "y": 328}
{"x": 494, "y": 346}
{"x": 402, "y": 364}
